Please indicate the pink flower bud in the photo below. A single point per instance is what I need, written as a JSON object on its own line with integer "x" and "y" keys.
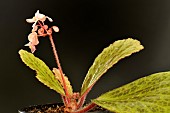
{"x": 49, "y": 32}
{"x": 55, "y": 28}
{"x": 45, "y": 27}
{"x": 41, "y": 31}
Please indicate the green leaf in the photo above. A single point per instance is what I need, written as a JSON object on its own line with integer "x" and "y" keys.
{"x": 149, "y": 94}
{"x": 109, "y": 56}
{"x": 44, "y": 74}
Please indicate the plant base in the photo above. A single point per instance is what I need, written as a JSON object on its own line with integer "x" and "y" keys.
{"x": 55, "y": 108}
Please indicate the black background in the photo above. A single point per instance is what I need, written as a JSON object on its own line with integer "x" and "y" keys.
{"x": 86, "y": 27}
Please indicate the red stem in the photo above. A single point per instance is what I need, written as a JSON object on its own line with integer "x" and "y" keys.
{"x": 59, "y": 67}
{"x": 85, "y": 109}
{"x": 81, "y": 102}
{"x": 83, "y": 97}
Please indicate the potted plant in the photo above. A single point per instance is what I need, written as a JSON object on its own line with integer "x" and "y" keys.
{"x": 150, "y": 94}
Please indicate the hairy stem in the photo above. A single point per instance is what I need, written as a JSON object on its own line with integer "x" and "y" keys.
{"x": 59, "y": 67}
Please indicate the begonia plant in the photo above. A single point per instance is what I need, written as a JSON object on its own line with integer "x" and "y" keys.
{"x": 150, "y": 94}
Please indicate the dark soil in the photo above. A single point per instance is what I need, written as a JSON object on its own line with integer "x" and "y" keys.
{"x": 55, "y": 108}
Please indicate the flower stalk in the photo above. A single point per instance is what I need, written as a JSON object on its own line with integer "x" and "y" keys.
{"x": 60, "y": 69}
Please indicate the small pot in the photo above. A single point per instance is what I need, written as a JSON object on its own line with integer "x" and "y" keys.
{"x": 54, "y": 108}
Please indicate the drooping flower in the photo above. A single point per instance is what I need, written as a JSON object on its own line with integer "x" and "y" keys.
{"x": 33, "y": 41}
{"x": 38, "y": 17}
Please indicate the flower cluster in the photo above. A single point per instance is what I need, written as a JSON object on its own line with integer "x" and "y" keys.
{"x": 39, "y": 29}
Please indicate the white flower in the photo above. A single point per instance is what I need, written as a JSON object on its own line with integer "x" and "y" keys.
{"x": 38, "y": 17}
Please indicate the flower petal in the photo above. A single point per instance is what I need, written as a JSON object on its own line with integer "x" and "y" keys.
{"x": 34, "y": 28}
{"x": 50, "y": 19}
{"x": 30, "y": 20}
{"x": 28, "y": 44}
{"x": 33, "y": 38}
{"x": 37, "y": 13}
{"x": 34, "y": 24}
{"x": 35, "y": 41}
{"x": 41, "y": 17}
{"x": 33, "y": 48}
